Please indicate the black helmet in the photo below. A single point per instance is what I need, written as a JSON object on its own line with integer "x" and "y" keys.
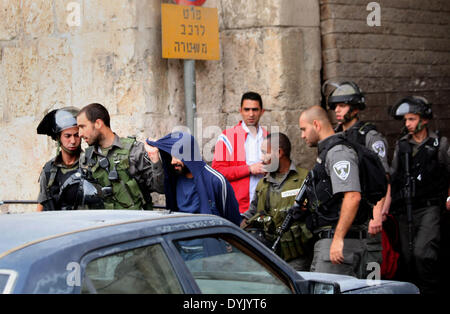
{"x": 78, "y": 193}
{"x": 346, "y": 92}
{"x": 58, "y": 120}
{"x": 413, "y": 104}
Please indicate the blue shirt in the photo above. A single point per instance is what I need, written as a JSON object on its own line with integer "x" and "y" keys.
{"x": 188, "y": 200}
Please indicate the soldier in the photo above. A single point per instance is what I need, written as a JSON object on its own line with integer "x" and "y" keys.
{"x": 346, "y": 99}
{"x": 334, "y": 196}
{"x": 420, "y": 188}
{"x": 121, "y": 166}
{"x": 274, "y": 195}
{"x": 61, "y": 184}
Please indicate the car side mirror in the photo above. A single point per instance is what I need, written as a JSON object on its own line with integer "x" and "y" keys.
{"x": 317, "y": 287}
{"x": 323, "y": 287}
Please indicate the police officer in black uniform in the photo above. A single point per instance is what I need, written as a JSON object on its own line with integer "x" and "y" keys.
{"x": 347, "y": 100}
{"x": 334, "y": 198}
{"x": 62, "y": 184}
{"x": 420, "y": 187}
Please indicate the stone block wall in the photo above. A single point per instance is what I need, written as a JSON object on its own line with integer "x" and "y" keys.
{"x": 409, "y": 54}
{"x": 113, "y": 56}
{"x": 282, "y": 49}
{"x": 271, "y": 47}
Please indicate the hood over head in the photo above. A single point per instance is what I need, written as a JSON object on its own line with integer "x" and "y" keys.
{"x": 180, "y": 145}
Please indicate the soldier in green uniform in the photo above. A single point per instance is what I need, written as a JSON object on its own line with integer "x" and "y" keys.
{"x": 121, "y": 166}
{"x": 275, "y": 195}
{"x": 61, "y": 126}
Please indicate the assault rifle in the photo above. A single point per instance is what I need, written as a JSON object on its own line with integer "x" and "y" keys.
{"x": 18, "y": 202}
{"x": 295, "y": 212}
{"x": 26, "y": 202}
{"x": 408, "y": 193}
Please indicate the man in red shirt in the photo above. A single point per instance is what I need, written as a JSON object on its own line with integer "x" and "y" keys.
{"x": 237, "y": 153}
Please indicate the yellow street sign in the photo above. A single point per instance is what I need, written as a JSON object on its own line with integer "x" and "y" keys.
{"x": 189, "y": 32}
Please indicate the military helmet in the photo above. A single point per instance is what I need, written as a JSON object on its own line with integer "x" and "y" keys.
{"x": 57, "y": 121}
{"x": 86, "y": 195}
{"x": 413, "y": 104}
{"x": 346, "y": 92}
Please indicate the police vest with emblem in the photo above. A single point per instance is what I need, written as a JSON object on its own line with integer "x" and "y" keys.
{"x": 429, "y": 176}
{"x": 272, "y": 209}
{"x": 323, "y": 204}
{"x": 123, "y": 192}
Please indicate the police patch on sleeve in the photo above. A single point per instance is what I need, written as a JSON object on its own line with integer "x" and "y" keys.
{"x": 379, "y": 148}
{"x": 342, "y": 169}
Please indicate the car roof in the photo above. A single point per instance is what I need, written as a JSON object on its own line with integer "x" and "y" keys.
{"x": 19, "y": 230}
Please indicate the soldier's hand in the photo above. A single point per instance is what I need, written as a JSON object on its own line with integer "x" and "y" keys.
{"x": 153, "y": 152}
{"x": 297, "y": 212}
{"x": 375, "y": 226}
{"x": 336, "y": 251}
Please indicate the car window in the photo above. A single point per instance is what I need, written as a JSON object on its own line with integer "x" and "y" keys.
{"x": 7, "y": 279}
{"x": 142, "y": 270}
{"x": 222, "y": 266}
{"x": 3, "y": 281}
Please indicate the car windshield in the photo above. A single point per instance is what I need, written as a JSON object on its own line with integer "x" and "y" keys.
{"x": 226, "y": 267}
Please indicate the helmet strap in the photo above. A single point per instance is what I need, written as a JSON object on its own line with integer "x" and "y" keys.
{"x": 420, "y": 126}
{"x": 70, "y": 152}
{"x": 348, "y": 116}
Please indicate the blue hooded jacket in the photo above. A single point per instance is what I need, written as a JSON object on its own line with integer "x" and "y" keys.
{"x": 215, "y": 192}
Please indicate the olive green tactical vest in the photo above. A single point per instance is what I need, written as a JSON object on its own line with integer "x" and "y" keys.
{"x": 126, "y": 192}
{"x": 272, "y": 209}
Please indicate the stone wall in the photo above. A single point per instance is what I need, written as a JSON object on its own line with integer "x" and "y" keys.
{"x": 113, "y": 56}
{"x": 271, "y": 47}
{"x": 409, "y": 54}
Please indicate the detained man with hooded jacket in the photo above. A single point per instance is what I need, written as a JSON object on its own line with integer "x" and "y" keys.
{"x": 190, "y": 184}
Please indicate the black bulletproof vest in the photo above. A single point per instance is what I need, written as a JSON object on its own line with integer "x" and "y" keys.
{"x": 430, "y": 177}
{"x": 357, "y": 133}
{"x": 68, "y": 197}
{"x": 325, "y": 206}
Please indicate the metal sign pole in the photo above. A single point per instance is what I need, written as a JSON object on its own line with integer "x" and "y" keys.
{"x": 190, "y": 94}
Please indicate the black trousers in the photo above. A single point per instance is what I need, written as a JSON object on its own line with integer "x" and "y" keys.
{"x": 422, "y": 266}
